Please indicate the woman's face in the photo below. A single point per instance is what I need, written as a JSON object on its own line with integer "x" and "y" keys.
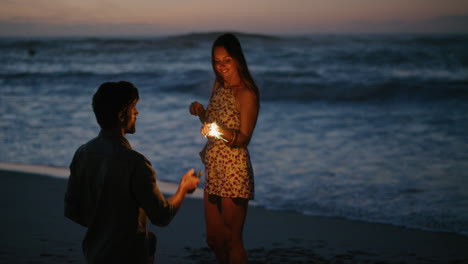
{"x": 225, "y": 65}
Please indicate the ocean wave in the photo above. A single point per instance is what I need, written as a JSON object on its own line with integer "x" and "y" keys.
{"x": 292, "y": 86}
{"x": 309, "y": 155}
{"x": 362, "y": 91}
{"x": 291, "y": 68}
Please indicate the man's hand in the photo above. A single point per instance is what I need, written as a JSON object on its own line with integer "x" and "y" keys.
{"x": 189, "y": 181}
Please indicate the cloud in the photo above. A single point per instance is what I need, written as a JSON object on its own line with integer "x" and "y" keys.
{"x": 24, "y": 27}
{"x": 441, "y": 24}
{"x": 454, "y": 23}
{"x": 29, "y": 29}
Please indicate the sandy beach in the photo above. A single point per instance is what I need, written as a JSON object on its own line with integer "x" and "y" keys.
{"x": 35, "y": 231}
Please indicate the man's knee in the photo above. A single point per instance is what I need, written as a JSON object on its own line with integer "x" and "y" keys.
{"x": 152, "y": 242}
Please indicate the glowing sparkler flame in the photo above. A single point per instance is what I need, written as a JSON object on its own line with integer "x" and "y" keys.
{"x": 214, "y": 131}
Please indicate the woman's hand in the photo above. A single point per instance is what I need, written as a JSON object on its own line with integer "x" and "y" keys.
{"x": 225, "y": 133}
{"x": 205, "y": 129}
{"x": 197, "y": 109}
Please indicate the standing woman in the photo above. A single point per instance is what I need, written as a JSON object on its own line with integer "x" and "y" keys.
{"x": 234, "y": 106}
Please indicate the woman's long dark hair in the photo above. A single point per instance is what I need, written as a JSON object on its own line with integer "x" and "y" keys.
{"x": 233, "y": 47}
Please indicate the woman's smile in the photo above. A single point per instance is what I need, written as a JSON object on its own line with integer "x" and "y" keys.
{"x": 223, "y": 62}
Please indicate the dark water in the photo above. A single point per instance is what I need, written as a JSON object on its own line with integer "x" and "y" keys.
{"x": 369, "y": 127}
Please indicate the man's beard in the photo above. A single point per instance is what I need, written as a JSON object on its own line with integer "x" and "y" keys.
{"x": 131, "y": 130}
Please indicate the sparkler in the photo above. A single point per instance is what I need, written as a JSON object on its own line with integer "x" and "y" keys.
{"x": 213, "y": 131}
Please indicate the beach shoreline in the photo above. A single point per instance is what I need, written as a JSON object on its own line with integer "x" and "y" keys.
{"x": 35, "y": 231}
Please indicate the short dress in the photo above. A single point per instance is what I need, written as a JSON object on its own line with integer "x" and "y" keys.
{"x": 228, "y": 169}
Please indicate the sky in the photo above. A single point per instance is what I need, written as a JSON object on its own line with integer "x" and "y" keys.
{"x": 157, "y": 17}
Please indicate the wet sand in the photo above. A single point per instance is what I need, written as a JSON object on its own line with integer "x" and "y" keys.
{"x": 35, "y": 231}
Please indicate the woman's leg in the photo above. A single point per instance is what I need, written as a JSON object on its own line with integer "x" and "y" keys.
{"x": 215, "y": 229}
{"x": 233, "y": 214}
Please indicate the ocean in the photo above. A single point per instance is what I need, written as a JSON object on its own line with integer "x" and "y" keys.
{"x": 365, "y": 127}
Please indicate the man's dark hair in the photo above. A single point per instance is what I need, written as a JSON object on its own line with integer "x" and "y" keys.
{"x": 110, "y": 99}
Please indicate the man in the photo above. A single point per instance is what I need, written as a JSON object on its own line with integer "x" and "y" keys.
{"x": 112, "y": 189}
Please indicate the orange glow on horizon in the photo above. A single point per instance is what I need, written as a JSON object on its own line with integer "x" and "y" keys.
{"x": 262, "y": 16}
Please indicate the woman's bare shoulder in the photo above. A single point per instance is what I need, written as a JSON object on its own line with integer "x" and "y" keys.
{"x": 245, "y": 94}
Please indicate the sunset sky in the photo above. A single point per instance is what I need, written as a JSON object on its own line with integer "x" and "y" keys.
{"x": 152, "y": 17}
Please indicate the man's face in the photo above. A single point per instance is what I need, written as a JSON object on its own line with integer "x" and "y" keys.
{"x": 129, "y": 118}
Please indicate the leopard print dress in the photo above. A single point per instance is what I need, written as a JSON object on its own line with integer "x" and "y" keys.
{"x": 228, "y": 169}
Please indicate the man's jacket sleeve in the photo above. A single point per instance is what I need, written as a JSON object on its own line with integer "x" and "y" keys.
{"x": 74, "y": 204}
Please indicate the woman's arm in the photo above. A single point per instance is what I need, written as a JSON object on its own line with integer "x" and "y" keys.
{"x": 198, "y": 109}
{"x": 247, "y": 105}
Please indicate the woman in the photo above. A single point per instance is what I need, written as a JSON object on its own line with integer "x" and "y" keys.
{"x": 234, "y": 106}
